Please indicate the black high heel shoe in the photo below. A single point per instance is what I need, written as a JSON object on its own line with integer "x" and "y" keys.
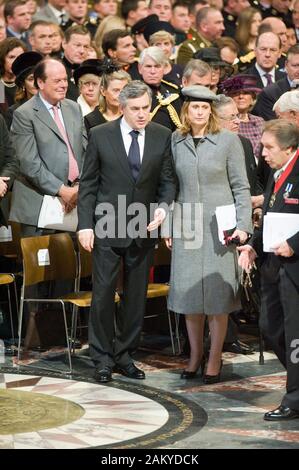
{"x": 212, "y": 379}
{"x": 190, "y": 374}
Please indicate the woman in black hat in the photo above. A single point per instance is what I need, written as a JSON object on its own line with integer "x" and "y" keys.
{"x": 210, "y": 167}
{"x": 87, "y": 78}
{"x": 23, "y": 68}
{"x": 10, "y": 49}
{"x": 112, "y": 82}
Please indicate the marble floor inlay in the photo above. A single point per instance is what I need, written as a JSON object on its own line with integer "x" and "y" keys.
{"x": 24, "y": 411}
{"x": 83, "y": 414}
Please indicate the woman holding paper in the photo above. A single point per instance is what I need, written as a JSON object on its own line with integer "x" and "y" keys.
{"x": 211, "y": 171}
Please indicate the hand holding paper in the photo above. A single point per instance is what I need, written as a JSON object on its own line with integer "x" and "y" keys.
{"x": 283, "y": 249}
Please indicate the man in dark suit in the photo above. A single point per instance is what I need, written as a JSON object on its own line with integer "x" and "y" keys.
{"x": 128, "y": 163}
{"x": 268, "y": 97}
{"x": 267, "y": 52}
{"x": 18, "y": 19}
{"x": 279, "y": 319}
{"x": 8, "y": 170}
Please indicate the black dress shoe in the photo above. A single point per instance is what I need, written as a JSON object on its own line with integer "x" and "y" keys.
{"x": 190, "y": 374}
{"x": 238, "y": 347}
{"x": 282, "y": 413}
{"x": 130, "y": 371}
{"x": 103, "y": 375}
{"x": 212, "y": 379}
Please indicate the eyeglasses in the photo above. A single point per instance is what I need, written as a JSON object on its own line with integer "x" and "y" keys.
{"x": 88, "y": 84}
{"x": 232, "y": 117}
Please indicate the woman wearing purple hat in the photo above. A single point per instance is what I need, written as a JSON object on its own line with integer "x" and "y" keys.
{"x": 243, "y": 90}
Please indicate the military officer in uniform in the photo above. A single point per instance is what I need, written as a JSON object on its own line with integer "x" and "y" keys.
{"x": 78, "y": 16}
{"x": 230, "y": 15}
{"x": 209, "y": 27}
{"x": 166, "y": 100}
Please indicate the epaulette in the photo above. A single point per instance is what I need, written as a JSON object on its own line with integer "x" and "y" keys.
{"x": 165, "y": 101}
{"x": 173, "y": 85}
{"x": 171, "y": 110}
{"x": 247, "y": 57}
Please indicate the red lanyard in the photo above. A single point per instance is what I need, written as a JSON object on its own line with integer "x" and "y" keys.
{"x": 285, "y": 173}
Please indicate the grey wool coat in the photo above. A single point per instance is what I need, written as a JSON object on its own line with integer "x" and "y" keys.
{"x": 204, "y": 273}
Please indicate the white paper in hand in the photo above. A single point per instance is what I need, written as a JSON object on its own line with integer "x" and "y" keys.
{"x": 226, "y": 220}
{"x": 52, "y": 215}
{"x": 277, "y": 228}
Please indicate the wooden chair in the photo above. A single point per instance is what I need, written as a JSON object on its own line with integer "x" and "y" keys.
{"x": 62, "y": 266}
{"x": 11, "y": 250}
{"x": 162, "y": 257}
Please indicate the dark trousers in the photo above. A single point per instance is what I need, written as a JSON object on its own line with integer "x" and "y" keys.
{"x": 113, "y": 338}
{"x": 279, "y": 322}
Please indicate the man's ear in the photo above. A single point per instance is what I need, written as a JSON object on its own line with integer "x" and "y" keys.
{"x": 111, "y": 53}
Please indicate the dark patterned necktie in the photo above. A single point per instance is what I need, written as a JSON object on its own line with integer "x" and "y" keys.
{"x": 134, "y": 155}
{"x": 268, "y": 77}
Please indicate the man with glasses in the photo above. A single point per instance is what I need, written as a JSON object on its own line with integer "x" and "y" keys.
{"x": 267, "y": 52}
{"x": 269, "y": 96}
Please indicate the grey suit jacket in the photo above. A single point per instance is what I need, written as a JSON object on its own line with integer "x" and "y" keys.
{"x": 43, "y": 155}
{"x": 46, "y": 14}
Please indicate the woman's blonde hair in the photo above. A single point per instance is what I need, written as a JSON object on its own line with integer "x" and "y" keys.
{"x": 161, "y": 36}
{"x": 213, "y": 125}
{"x": 106, "y": 80}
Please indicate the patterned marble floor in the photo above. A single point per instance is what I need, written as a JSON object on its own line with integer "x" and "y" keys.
{"x": 161, "y": 412}
{"x": 109, "y": 415}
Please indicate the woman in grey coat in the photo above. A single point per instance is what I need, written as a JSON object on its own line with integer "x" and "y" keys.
{"x": 210, "y": 166}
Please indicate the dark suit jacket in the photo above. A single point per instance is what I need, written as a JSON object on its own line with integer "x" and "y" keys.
{"x": 107, "y": 175}
{"x": 291, "y": 264}
{"x": 268, "y": 97}
{"x": 8, "y": 167}
{"x": 250, "y": 164}
{"x": 95, "y": 118}
{"x": 253, "y": 71}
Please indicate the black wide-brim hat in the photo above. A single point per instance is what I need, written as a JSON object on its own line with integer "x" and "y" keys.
{"x": 156, "y": 26}
{"x": 139, "y": 27}
{"x": 211, "y": 55}
{"x": 96, "y": 67}
{"x": 24, "y": 65}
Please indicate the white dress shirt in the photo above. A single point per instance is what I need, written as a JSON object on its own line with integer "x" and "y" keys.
{"x": 127, "y": 138}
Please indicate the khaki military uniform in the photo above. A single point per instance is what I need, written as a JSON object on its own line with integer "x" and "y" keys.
{"x": 190, "y": 46}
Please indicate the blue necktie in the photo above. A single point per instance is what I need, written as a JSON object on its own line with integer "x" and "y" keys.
{"x": 134, "y": 155}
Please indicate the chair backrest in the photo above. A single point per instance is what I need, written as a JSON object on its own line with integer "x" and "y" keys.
{"x": 162, "y": 255}
{"x": 12, "y": 249}
{"x": 62, "y": 258}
